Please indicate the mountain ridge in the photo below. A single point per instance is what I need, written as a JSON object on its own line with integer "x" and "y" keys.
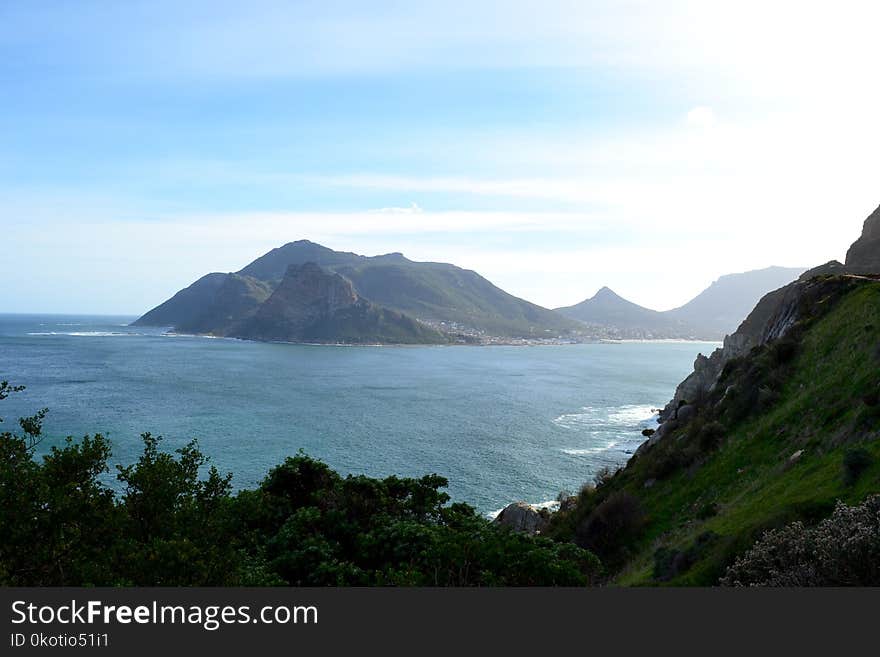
{"x": 712, "y": 314}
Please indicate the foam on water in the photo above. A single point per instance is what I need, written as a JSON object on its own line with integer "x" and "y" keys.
{"x": 590, "y": 451}
{"x": 86, "y": 334}
{"x": 606, "y": 429}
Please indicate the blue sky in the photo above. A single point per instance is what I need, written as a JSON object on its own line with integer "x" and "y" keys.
{"x": 555, "y": 147}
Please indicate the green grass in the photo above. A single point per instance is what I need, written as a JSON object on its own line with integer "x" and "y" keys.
{"x": 749, "y": 479}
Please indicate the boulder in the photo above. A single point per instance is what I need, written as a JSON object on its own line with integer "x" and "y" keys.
{"x": 685, "y": 412}
{"x": 523, "y": 517}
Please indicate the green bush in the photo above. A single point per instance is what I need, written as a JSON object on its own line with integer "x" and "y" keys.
{"x": 611, "y": 526}
{"x": 670, "y": 563}
{"x": 855, "y": 462}
{"x": 711, "y": 435}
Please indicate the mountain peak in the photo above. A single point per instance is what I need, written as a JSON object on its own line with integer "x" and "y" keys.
{"x": 606, "y": 292}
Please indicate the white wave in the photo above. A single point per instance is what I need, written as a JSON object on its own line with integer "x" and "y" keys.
{"x": 616, "y": 417}
{"x": 85, "y": 334}
{"x": 588, "y": 415}
{"x": 550, "y": 505}
{"x": 590, "y": 451}
{"x": 631, "y": 415}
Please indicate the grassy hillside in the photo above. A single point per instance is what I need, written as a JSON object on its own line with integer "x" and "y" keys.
{"x": 789, "y": 430}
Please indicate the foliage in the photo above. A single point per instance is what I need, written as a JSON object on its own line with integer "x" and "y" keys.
{"x": 855, "y": 462}
{"x": 670, "y": 562}
{"x": 611, "y": 526}
{"x": 843, "y": 550}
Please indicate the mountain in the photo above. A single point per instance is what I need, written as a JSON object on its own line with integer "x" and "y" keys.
{"x": 608, "y": 309}
{"x": 450, "y": 299}
{"x": 711, "y": 315}
{"x": 778, "y": 426}
{"x": 312, "y": 304}
{"x": 719, "y": 309}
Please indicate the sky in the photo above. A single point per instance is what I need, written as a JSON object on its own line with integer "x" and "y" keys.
{"x": 554, "y": 146}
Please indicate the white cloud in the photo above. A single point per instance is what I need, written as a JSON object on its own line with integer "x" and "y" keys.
{"x": 412, "y": 208}
{"x": 701, "y": 117}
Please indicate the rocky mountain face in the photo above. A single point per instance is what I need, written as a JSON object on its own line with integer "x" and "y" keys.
{"x": 771, "y": 320}
{"x": 306, "y": 295}
{"x": 774, "y": 315}
{"x": 863, "y": 256}
{"x": 312, "y": 304}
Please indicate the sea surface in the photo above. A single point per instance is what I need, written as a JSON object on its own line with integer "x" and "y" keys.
{"x": 501, "y": 423}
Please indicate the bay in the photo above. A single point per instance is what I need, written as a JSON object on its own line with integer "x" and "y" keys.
{"x": 501, "y": 423}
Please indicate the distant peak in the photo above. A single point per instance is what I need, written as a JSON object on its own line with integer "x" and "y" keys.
{"x": 396, "y": 255}
{"x": 304, "y": 243}
{"x": 606, "y": 292}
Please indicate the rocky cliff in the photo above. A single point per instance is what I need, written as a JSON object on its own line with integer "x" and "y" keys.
{"x": 775, "y": 314}
{"x": 863, "y": 256}
{"x": 312, "y": 304}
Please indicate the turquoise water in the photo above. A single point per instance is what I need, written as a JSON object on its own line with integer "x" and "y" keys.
{"x": 501, "y": 423}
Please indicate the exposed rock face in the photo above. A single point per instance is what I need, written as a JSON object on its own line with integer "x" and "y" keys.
{"x": 312, "y": 304}
{"x": 305, "y": 296}
{"x": 771, "y": 319}
{"x": 523, "y": 517}
{"x": 308, "y": 291}
{"x": 863, "y": 256}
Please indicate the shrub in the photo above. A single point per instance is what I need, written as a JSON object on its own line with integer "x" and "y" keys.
{"x": 664, "y": 460}
{"x": 670, "y": 563}
{"x": 784, "y": 350}
{"x": 708, "y": 510}
{"x": 612, "y": 526}
{"x": 855, "y": 462}
{"x": 842, "y": 550}
{"x": 711, "y": 435}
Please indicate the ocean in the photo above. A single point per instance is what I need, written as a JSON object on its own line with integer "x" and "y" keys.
{"x": 501, "y": 423}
